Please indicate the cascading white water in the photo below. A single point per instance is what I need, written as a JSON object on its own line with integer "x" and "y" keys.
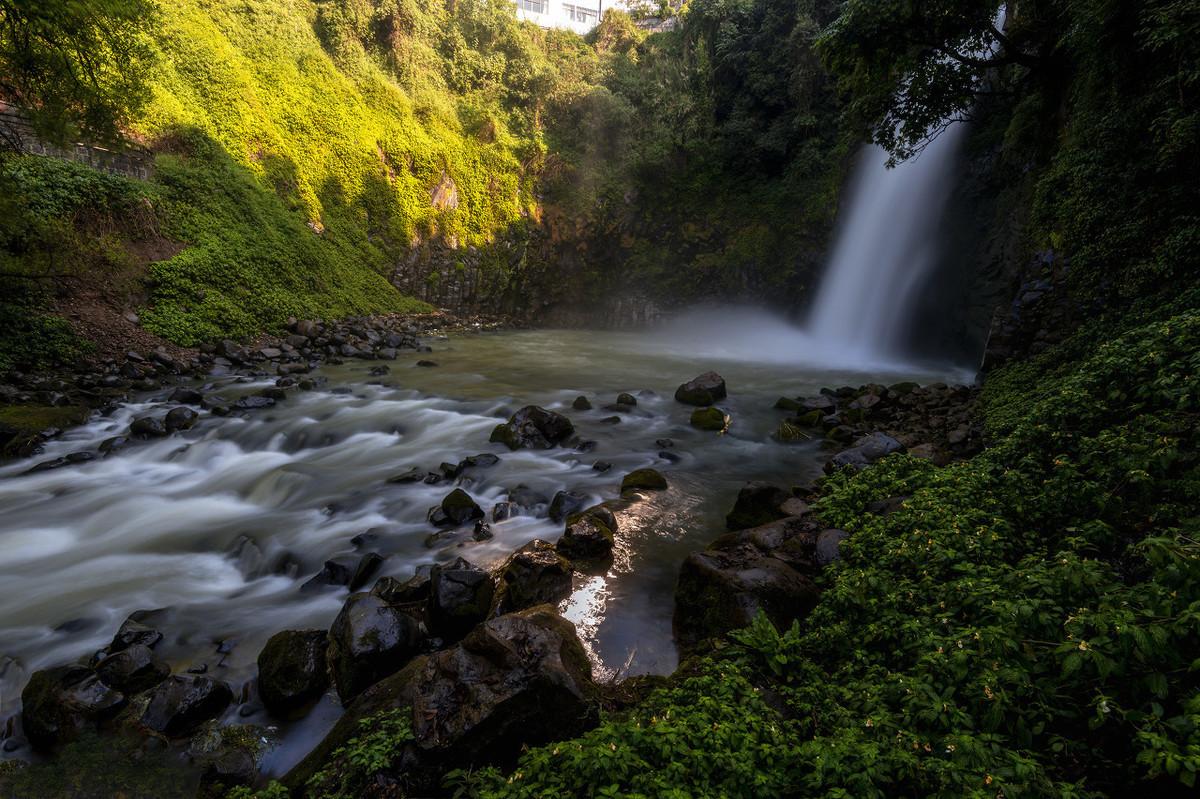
{"x": 885, "y": 249}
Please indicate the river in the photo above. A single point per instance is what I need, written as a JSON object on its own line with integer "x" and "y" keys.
{"x": 199, "y": 525}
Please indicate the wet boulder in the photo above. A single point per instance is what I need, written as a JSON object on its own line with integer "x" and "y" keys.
{"x": 627, "y": 400}
{"x": 457, "y": 509}
{"x": 132, "y": 670}
{"x": 829, "y": 544}
{"x": 757, "y": 503}
{"x": 183, "y": 702}
{"x": 533, "y": 427}
{"x": 369, "y": 640}
{"x": 180, "y": 418}
{"x": 565, "y": 503}
{"x": 866, "y": 450}
{"x": 333, "y": 573}
{"x": 536, "y": 574}
{"x": 588, "y": 536}
{"x": 582, "y": 403}
{"x": 713, "y": 419}
{"x": 519, "y": 680}
{"x": 722, "y": 589}
{"x": 59, "y": 704}
{"x": 460, "y": 595}
{"x": 292, "y": 671}
{"x": 148, "y": 427}
{"x": 131, "y": 633}
{"x": 704, "y": 390}
{"x": 402, "y": 592}
{"x": 644, "y": 480}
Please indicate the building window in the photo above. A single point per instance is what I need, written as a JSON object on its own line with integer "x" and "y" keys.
{"x": 536, "y": 6}
{"x": 581, "y": 13}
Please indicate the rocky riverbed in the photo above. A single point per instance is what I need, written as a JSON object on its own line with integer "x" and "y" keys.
{"x": 384, "y": 542}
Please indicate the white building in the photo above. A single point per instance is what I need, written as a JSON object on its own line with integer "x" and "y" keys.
{"x": 577, "y": 15}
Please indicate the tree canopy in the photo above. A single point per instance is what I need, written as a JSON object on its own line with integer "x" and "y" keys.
{"x": 75, "y": 68}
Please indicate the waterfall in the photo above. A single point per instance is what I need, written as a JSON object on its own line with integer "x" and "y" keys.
{"x": 886, "y": 247}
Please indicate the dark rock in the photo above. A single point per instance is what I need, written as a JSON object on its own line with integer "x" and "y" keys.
{"x": 186, "y": 396}
{"x": 581, "y": 403}
{"x": 460, "y": 595}
{"x": 182, "y": 703}
{"x": 413, "y": 475}
{"x": 333, "y": 573}
{"x": 601, "y": 466}
{"x": 365, "y": 570}
{"x": 828, "y": 546}
{"x": 643, "y": 480}
{"x": 114, "y": 444}
{"x": 564, "y": 504}
{"x": 133, "y": 633}
{"x": 132, "y": 670}
{"x": 524, "y": 498}
{"x": 457, "y": 509}
{"x": 253, "y": 403}
{"x": 865, "y": 451}
{"x": 292, "y": 670}
{"x": 823, "y": 404}
{"x": 369, "y": 640}
{"x": 586, "y": 538}
{"x": 517, "y": 681}
{"x": 426, "y": 363}
{"x": 785, "y": 404}
{"x": 180, "y": 419}
{"x": 664, "y": 443}
{"x": 534, "y": 428}
{"x": 757, "y": 503}
{"x": 710, "y": 419}
{"x": 484, "y": 460}
{"x": 483, "y": 532}
{"x": 611, "y": 420}
{"x": 59, "y": 704}
{"x": 703, "y": 390}
{"x": 396, "y": 592}
{"x": 148, "y": 427}
{"x": 533, "y": 575}
{"x": 670, "y": 457}
{"x": 502, "y": 511}
{"x": 721, "y": 590}
{"x": 626, "y": 399}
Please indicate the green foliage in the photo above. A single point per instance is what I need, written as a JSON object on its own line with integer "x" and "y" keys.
{"x": 350, "y": 767}
{"x": 273, "y": 790}
{"x": 711, "y": 735}
{"x": 1026, "y": 624}
{"x": 75, "y": 68}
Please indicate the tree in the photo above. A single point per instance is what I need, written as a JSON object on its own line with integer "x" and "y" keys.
{"x": 74, "y": 68}
{"x": 912, "y": 68}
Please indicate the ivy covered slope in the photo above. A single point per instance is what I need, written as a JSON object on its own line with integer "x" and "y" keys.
{"x": 299, "y": 166}
{"x": 1026, "y": 624}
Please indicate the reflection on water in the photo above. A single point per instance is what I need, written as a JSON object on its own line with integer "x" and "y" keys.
{"x": 204, "y": 525}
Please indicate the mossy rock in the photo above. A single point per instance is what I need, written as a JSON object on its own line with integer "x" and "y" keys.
{"x": 810, "y": 419}
{"x": 787, "y": 404}
{"x": 710, "y": 419}
{"x": 22, "y": 426}
{"x": 643, "y": 480}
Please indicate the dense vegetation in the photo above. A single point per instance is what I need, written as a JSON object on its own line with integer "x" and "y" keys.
{"x": 302, "y": 150}
{"x": 1026, "y": 624}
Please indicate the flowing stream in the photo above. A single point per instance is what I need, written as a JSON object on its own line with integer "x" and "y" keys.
{"x": 197, "y": 525}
